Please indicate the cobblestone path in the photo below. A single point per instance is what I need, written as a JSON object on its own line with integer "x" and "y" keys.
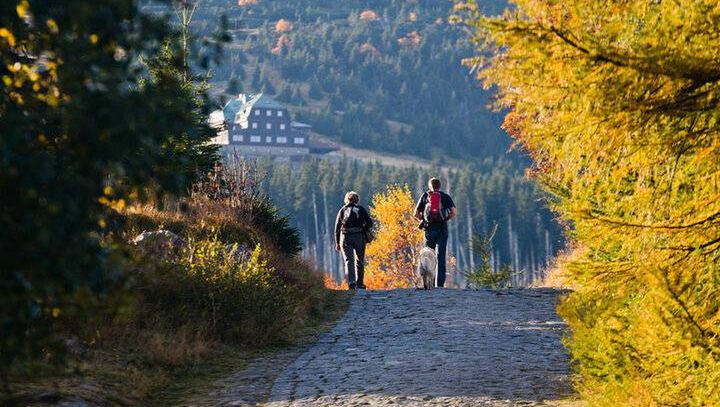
{"x": 439, "y": 347}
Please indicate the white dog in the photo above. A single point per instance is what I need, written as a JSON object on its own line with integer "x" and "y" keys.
{"x": 427, "y": 264}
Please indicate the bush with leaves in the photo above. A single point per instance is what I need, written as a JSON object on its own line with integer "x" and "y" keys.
{"x": 86, "y": 128}
{"x": 237, "y": 295}
{"x": 391, "y": 256}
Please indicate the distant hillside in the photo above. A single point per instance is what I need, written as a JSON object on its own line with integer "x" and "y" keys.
{"x": 381, "y": 75}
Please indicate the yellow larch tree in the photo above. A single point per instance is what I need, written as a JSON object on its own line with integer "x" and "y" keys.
{"x": 390, "y": 257}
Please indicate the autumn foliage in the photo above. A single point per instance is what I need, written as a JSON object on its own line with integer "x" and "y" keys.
{"x": 283, "y": 26}
{"x": 330, "y": 283}
{"x": 618, "y": 104}
{"x": 391, "y": 257}
{"x": 410, "y": 40}
{"x": 369, "y": 15}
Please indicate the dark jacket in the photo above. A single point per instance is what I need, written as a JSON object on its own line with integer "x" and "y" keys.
{"x": 367, "y": 223}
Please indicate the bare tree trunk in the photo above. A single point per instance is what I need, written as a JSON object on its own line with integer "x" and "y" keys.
{"x": 510, "y": 240}
{"x": 327, "y": 263}
{"x": 317, "y": 228}
{"x": 547, "y": 249}
{"x": 516, "y": 252}
{"x": 470, "y": 235}
{"x": 532, "y": 264}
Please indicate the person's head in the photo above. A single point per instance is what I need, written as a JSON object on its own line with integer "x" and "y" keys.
{"x": 434, "y": 184}
{"x": 352, "y": 197}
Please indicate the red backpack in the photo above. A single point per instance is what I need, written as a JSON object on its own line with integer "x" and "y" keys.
{"x": 433, "y": 208}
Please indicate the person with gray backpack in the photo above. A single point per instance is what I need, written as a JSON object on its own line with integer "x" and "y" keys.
{"x": 352, "y": 232}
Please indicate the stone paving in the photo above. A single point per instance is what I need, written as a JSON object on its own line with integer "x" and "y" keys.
{"x": 434, "y": 348}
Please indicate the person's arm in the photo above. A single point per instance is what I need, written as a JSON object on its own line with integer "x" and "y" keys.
{"x": 368, "y": 220}
{"x": 338, "y": 221}
{"x": 453, "y": 209}
{"x": 419, "y": 208}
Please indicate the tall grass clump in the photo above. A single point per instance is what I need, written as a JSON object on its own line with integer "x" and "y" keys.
{"x": 236, "y": 273}
{"x": 235, "y": 296}
{"x": 618, "y": 104}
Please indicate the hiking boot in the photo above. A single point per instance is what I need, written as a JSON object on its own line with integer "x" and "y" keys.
{"x": 351, "y": 286}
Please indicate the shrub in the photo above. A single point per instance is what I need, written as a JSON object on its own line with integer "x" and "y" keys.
{"x": 238, "y": 296}
{"x": 391, "y": 256}
{"x": 483, "y": 278}
{"x": 231, "y": 195}
{"x": 83, "y": 131}
{"x": 483, "y": 275}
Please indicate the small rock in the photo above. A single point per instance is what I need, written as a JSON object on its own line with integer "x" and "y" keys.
{"x": 161, "y": 243}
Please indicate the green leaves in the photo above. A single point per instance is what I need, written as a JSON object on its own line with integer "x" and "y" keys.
{"x": 78, "y": 114}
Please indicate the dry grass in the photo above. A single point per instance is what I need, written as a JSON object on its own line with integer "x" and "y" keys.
{"x": 195, "y": 313}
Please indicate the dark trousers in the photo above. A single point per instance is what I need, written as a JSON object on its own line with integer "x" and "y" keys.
{"x": 438, "y": 237}
{"x": 353, "y": 250}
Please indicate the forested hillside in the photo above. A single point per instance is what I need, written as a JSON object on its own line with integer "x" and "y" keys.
{"x": 486, "y": 194}
{"x": 384, "y": 75}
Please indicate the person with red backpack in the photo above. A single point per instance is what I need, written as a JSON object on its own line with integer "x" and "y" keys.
{"x": 352, "y": 232}
{"x": 434, "y": 209}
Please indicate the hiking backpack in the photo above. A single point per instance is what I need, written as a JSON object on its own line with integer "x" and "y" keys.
{"x": 433, "y": 208}
{"x": 351, "y": 218}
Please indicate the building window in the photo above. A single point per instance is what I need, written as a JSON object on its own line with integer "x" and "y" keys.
{"x": 268, "y": 112}
{"x": 268, "y": 126}
{"x": 257, "y": 112}
{"x": 280, "y": 113}
{"x": 282, "y": 140}
{"x": 239, "y": 138}
{"x": 282, "y": 126}
{"x": 268, "y": 139}
{"x": 254, "y": 139}
{"x": 299, "y": 140}
{"x": 254, "y": 125}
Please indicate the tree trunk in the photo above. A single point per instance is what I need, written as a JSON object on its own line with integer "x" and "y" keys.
{"x": 317, "y": 229}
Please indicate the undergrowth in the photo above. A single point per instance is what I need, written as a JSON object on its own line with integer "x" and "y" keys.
{"x": 227, "y": 288}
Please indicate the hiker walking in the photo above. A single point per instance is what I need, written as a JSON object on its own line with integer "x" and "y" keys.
{"x": 434, "y": 209}
{"x": 352, "y": 229}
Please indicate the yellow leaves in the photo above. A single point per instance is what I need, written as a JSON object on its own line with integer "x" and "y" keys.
{"x": 93, "y": 39}
{"x": 22, "y": 9}
{"x": 7, "y": 36}
{"x": 17, "y": 98}
{"x": 56, "y": 312}
{"x": 52, "y": 26}
{"x": 625, "y": 133}
{"x": 116, "y": 204}
{"x": 391, "y": 256}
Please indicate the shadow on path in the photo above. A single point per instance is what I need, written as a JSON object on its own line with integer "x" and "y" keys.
{"x": 440, "y": 347}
